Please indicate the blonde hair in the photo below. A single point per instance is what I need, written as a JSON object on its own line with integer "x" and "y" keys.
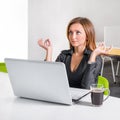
{"x": 88, "y": 28}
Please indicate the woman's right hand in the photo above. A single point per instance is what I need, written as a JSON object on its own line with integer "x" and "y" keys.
{"x": 45, "y": 44}
{"x": 48, "y": 47}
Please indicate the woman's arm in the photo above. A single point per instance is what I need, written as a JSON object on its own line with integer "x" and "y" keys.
{"x": 93, "y": 69}
{"x": 92, "y": 72}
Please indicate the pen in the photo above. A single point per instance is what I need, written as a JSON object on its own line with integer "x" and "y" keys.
{"x": 76, "y": 100}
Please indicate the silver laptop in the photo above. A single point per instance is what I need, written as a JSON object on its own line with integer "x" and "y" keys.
{"x": 41, "y": 80}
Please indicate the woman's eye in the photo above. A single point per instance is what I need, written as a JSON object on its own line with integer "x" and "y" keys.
{"x": 78, "y": 32}
{"x": 70, "y": 33}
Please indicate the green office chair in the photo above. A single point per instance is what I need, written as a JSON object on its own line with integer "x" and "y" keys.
{"x": 102, "y": 80}
{"x": 3, "y": 67}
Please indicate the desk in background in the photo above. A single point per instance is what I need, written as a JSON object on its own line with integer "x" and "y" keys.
{"x": 115, "y": 51}
{"x": 14, "y": 108}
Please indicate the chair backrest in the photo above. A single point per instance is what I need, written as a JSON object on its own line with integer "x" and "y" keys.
{"x": 102, "y": 80}
{"x": 3, "y": 67}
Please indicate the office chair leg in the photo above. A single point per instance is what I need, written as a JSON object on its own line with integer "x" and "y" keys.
{"x": 112, "y": 67}
{"x": 102, "y": 66}
{"x": 113, "y": 73}
{"x": 117, "y": 68}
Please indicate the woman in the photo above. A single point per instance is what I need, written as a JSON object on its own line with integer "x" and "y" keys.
{"x": 83, "y": 62}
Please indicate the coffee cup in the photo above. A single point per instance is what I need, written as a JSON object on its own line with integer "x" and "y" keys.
{"x": 97, "y": 94}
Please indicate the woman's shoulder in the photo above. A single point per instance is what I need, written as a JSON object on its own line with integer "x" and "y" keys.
{"x": 63, "y": 55}
{"x": 66, "y": 52}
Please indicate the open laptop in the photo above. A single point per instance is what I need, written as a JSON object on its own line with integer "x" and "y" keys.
{"x": 41, "y": 80}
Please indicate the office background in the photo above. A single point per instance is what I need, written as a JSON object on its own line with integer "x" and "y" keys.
{"x": 49, "y": 19}
{"x": 23, "y": 22}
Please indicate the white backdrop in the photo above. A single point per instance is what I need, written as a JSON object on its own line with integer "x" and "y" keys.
{"x": 49, "y": 19}
{"x": 13, "y": 29}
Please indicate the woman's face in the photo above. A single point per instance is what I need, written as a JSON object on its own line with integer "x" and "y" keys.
{"x": 77, "y": 36}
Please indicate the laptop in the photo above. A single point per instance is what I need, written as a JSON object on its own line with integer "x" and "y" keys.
{"x": 41, "y": 80}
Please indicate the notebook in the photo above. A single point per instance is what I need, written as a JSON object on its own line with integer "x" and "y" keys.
{"x": 41, "y": 80}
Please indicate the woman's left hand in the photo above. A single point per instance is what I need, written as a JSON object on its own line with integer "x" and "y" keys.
{"x": 102, "y": 49}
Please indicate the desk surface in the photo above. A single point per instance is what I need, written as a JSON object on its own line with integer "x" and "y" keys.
{"x": 115, "y": 51}
{"x": 13, "y": 108}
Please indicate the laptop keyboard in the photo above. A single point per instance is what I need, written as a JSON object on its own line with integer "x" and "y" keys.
{"x": 77, "y": 93}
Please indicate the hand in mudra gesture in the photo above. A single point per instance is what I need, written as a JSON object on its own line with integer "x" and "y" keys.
{"x": 45, "y": 44}
{"x": 102, "y": 49}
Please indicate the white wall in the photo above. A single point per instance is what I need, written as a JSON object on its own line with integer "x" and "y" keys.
{"x": 112, "y": 36}
{"x": 49, "y": 18}
{"x": 13, "y": 29}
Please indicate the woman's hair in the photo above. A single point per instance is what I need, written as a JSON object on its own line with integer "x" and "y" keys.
{"x": 88, "y": 28}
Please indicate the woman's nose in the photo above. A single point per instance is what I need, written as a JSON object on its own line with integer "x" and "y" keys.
{"x": 73, "y": 35}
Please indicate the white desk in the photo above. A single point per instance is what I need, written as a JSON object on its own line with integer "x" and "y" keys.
{"x": 13, "y": 108}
